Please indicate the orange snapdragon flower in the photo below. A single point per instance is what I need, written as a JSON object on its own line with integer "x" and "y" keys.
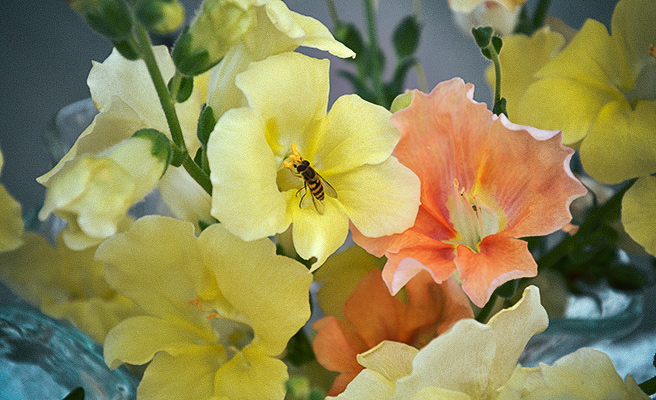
{"x": 373, "y": 315}
{"x": 485, "y": 182}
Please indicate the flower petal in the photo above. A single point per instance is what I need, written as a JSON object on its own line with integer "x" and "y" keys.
{"x": 317, "y": 235}
{"x": 147, "y": 265}
{"x": 245, "y": 198}
{"x": 631, "y": 131}
{"x": 639, "y": 212}
{"x": 499, "y": 259}
{"x": 319, "y": 37}
{"x": 379, "y": 199}
{"x": 356, "y": 133}
{"x": 11, "y": 227}
{"x": 186, "y": 199}
{"x": 279, "y": 304}
{"x": 275, "y": 88}
{"x": 137, "y": 339}
{"x": 184, "y": 377}
{"x": 251, "y": 375}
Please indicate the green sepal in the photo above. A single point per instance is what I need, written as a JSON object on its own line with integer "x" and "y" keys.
{"x": 497, "y": 43}
{"x": 126, "y": 49}
{"x": 500, "y": 107}
{"x": 201, "y": 160}
{"x": 178, "y": 157}
{"x": 316, "y": 394}
{"x": 110, "y": 18}
{"x": 185, "y": 87}
{"x": 350, "y": 36}
{"x": 206, "y": 122}
{"x": 395, "y": 86}
{"x": 406, "y": 36}
{"x": 75, "y": 394}
{"x": 190, "y": 64}
{"x": 161, "y": 144}
{"x": 482, "y": 35}
{"x": 508, "y": 289}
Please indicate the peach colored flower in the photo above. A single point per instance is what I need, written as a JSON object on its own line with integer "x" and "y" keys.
{"x": 484, "y": 183}
{"x": 373, "y": 315}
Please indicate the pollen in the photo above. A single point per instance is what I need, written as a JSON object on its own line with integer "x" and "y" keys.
{"x": 651, "y": 50}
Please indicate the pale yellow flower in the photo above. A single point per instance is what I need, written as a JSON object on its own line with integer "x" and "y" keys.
{"x": 11, "y": 223}
{"x": 273, "y": 29}
{"x": 65, "y": 283}
{"x": 218, "y": 310}
{"x": 93, "y": 193}
{"x": 253, "y": 150}
{"x": 125, "y": 96}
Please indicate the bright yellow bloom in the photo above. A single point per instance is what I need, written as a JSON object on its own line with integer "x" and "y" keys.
{"x": 218, "y": 310}
{"x": 11, "y": 223}
{"x": 601, "y": 91}
{"x": 272, "y": 29}
{"x": 255, "y": 153}
{"x": 124, "y": 93}
{"x": 65, "y": 283}
{"x": 93, "y": 194}
{"x": 501, "y": 15}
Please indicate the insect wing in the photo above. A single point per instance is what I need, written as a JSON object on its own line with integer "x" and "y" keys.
{"x": 327, "y": 187}
{"x": 318, "y": 204}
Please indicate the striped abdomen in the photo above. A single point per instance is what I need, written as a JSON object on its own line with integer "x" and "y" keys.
{"x": 313, "y": 182}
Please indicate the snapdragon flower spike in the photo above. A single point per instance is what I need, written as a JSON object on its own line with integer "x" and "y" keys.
{"x": 484, "y": 183}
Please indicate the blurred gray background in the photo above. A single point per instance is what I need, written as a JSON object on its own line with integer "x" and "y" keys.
{"x": 46, "y": 51}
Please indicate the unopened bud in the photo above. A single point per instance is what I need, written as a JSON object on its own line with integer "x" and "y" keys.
{"x": 160, "y": 16}
{"x": 218, "y": 26}
{"x": 110, "y": 18}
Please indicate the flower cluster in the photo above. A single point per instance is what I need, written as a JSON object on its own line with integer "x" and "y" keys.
{"x": 421, "y": 214}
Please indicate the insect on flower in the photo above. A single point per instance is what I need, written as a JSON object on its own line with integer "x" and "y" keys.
{"x": 318, "y": 186}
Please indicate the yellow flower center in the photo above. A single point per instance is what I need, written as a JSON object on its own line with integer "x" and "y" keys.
{"x": 471, "y": 219}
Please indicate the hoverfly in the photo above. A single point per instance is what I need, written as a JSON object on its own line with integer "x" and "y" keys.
{"x": 318, "y": 187}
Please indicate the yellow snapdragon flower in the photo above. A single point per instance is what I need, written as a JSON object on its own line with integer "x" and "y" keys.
{"x": 255, "y": 154}
{"x": 272, "y": 29}
{"x": 11, "y": 223}
{"x": 65, "y": 283}
{"x": 125, "y": 96}
{"x": 93, "y": 193}
{"x": 218, "y": 310}
{"x": 600, "y": 90}
{"x": 501, "y": 15}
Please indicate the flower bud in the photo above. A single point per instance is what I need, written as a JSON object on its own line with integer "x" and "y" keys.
{"x": 110, "y": 18}
{"x": 160, "y": 16}
{"x": 501, "y": 15}
{"x": 218, "y": 26}
{"x": 93, "y": 193}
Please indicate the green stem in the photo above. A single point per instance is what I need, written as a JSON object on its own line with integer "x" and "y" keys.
{"x": 333, "y": 12}
{"x": 421, "y": 77}
{"x": 541, "y": 13}
{"x": 649, "y": 386}
{"x": 497, "y": 72}
{"x": 376, "y": 71}
{"x": 168, "y": 105}
{"x": 484, "y": 314}
{"x": 198, "y": 174}
{"x": 416, "y": 8}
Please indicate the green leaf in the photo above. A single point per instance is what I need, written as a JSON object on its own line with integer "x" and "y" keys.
{"x": 406, "y": 36}
{"x": 75, "y": 394}
{"x": 350, "y": 36}
{"x": 497, "y": 43}
{"x": 482, "y": 35}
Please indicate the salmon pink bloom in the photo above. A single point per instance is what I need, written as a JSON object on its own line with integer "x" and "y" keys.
{"x": 485, "y": 182}
{"x": 373, "y": 315}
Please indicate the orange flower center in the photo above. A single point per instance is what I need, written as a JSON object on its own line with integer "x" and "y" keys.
{"x": 472, "y": 219}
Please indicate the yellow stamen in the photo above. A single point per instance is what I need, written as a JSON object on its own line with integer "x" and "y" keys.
{"x": 196, "y": 303}
{"x": 212, "y": 315}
